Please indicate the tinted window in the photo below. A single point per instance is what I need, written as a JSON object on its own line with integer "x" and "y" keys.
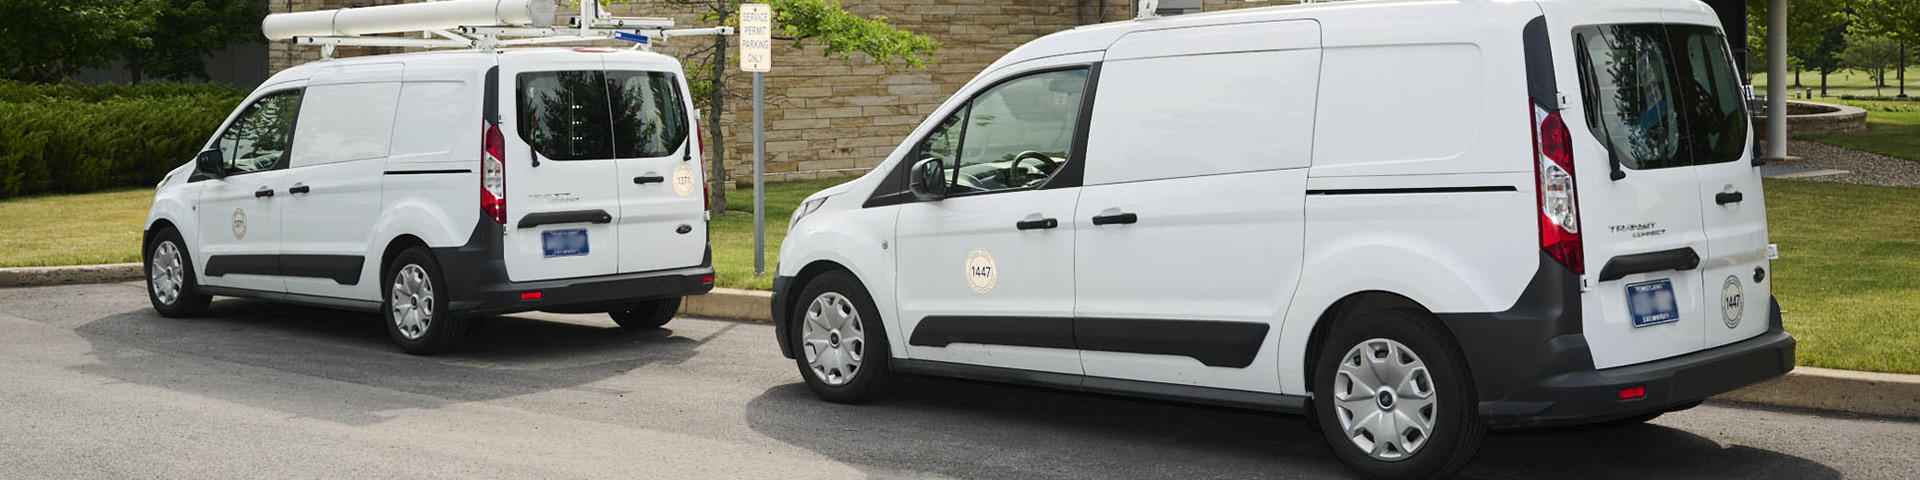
{"x": 563, "y": 115}
{"x": 1016, "y": 134}
{"x": 346, "y": 122}
{"x": 1661, "y": 96}
{"x": 259, "y": 139}
{"x": 649, "y": 118}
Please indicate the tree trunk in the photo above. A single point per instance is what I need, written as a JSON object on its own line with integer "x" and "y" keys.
{"x": 1823, "y": 83}
{"x": 717, "y": 98}
{"x": 1796, "y": 76}
{"x": 1903, "y": 70}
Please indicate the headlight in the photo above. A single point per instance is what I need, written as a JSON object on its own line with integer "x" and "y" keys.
{"x": 805, "y": 208}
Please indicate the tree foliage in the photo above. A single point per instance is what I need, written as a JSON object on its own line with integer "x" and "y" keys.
{"x": 47, "y": 40}
{"x": 184, "y": 31}
{"x": 1873, "y": 55}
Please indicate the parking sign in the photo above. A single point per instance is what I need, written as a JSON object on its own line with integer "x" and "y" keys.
{"x": 756, "y": 37}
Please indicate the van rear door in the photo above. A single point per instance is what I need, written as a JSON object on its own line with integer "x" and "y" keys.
{"x": 1640, "y": 195}
{"x": 662, "y": 218}
{"x": 562, "y": 186}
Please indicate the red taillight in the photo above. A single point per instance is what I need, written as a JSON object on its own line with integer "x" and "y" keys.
{"x": 1553, "y": 179}
{"x": 530, "y": 296}
{"x": 706, "y": 279}
{"x": 493, "y": 174}
{"x": 1633, "y": 393}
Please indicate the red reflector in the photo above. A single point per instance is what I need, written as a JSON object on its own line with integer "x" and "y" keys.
{"x": 706, "y": 279}
{"x": 530, "y": 296}
{"x": 1633, "y": 393}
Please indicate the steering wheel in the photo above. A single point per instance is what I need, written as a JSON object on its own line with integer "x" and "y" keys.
{"x": 1015, "y": 174}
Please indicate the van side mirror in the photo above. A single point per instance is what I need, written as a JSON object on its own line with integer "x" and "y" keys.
{"x": 928, "y": 179}
{"x": 210, "y": 163}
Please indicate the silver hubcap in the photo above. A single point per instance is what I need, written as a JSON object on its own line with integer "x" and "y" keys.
{"x": 166, "y": 274}
{"x": 835, "y": 339}
{"x": 412, "y": 301}
{"x": 1384, "y": 397}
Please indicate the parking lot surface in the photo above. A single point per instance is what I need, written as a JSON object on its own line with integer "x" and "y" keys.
{"x": 93, "y": 384}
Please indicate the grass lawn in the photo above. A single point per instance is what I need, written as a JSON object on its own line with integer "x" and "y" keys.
{"x": 1847, "y": 82}
{"x": 1893, "y": 129}
{"x": 1848, "y": 276}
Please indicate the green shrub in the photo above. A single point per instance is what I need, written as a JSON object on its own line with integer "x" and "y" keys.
{"x": 67, "y": 138}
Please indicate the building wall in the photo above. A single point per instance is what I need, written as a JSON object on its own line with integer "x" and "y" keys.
{"x": 833, "y": 116}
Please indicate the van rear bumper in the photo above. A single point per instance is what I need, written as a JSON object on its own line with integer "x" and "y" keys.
{"x": 1588, "y": 395}
{"x": 478, "y": 284}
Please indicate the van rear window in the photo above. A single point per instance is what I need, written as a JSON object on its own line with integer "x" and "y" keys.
{"x": 591, "y": 115}
{"x": 1662, "y": 96}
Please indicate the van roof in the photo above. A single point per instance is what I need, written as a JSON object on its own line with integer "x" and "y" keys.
{"x": 465, "y": 57}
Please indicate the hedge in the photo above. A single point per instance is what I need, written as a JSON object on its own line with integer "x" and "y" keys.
{"x": 68, "y": 138}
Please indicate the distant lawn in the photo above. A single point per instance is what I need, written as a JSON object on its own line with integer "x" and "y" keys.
{"x": 1893, "y": 129}
{"x": 1848, "y": 276}
{"x": 83, "y": 229}
{"x": 1847, "y": 82}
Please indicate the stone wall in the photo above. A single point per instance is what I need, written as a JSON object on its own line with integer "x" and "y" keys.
{"x": 834, "y": 116}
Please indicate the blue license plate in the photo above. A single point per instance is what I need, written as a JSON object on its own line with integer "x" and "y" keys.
{"x": 1652, "y": 303}
{"x": 564, "y": 243}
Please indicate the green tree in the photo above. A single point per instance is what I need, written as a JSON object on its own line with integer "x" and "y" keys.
{"x": 1805, "y": 19}
{"x": 824, "y": 23}
{"x": 1898, "y": 20}
{"x": 48, "y": 40}
{"x": 184, "y": 31}
{"x": 1873, "y": 55}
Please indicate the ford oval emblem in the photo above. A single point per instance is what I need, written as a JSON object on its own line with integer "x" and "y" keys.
{"x": 684, "y": 229}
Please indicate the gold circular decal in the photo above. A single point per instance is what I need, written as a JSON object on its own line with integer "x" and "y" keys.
{"x": 239, "y": 224}
{"x": 981, "y": 274}
{"x": 683, "y": 180}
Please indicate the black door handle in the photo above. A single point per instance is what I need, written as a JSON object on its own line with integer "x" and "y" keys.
{"x": 263, "y": 193}
{"x": 646, "y": 179}
{"x": 1115, "y": 219}
{"x": 1724, "y": 198}
{"x": 299, "y": 189}
{"x": 1039, "y": 224}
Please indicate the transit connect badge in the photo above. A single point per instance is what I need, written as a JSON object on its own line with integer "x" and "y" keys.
{"x": 981, "y": 274}
{"x": 1732, "y": 303}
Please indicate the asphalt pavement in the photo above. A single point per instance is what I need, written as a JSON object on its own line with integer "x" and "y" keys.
{"x": 93, "y": 384}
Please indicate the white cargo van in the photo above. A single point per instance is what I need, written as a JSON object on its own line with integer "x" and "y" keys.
{"x": 1410, "y": 221}
{"x": 434, "y": 186}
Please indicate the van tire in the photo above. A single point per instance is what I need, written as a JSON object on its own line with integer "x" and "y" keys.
{"x": 444, "y": 329}
{"x": 1456, "y": 430}
{"x": 187, "y": 301}
{"x": 873, "y": 378}
{"x": 647, "y": 315}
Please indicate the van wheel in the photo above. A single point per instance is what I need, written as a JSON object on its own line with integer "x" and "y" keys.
{"x": 839, "y": 341}
{"x": 170, "y": 283}
{"x": 416, "y": 309}
{"x": 1393, "y": 397}
{"x": 647, "y": 315}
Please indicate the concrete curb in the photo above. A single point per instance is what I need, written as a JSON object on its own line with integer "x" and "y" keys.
{"x": 1814, "y": 388}
{"x": 45, "y": 276}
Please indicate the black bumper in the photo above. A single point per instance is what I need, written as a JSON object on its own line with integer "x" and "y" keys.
{"x": 478, "y": 277}
{"x": 781, "y": 297}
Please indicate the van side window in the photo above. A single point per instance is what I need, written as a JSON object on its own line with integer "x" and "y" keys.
{"x": 1016, "y": 134}
{"x": 259, "y": 139}
{"x": 563, "y": 115}
{"x": 649, "y": 117}
{"x": 346, "y": 122}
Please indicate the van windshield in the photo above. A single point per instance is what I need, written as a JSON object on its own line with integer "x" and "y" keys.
{"x": 1662, "y": 95}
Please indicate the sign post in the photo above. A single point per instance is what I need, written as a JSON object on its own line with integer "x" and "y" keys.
{"x": 756, "y": 55}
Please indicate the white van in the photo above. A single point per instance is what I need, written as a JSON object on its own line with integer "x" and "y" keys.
{"x": 1409, "y": 220}
{"x": 435, "y": 186}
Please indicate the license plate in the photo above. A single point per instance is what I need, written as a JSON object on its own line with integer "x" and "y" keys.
{"x": 1652, "y": 303}
{"x": 564, "y": 243}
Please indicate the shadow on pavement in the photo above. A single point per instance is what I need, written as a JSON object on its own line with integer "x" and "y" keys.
{"x": 242, "y": 351}
{"x": 970, "y": 429}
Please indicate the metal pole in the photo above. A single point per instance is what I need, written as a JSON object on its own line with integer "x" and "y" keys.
{"x": 759, "y": 179}
{"x": 1776, "y": 80}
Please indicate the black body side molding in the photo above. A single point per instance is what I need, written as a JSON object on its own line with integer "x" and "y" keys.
{"x": 1683, "y": 258}
{"x": 1213, "y": 343}
{"x": 342, "y": 269}
{"x": 575, "y": 216}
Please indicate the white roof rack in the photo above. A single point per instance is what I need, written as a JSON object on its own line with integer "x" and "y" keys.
{"x": 477, "y": 24}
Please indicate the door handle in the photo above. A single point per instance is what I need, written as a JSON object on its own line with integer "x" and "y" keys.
{"x": 1037, "y": 224}
{"x": 646, "y": 179}
{"x": 299, "y": 189}
{"x": 1115, "y": 219}
{"x": 263, "y": 193}
{"x": 1724, "y": 198}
